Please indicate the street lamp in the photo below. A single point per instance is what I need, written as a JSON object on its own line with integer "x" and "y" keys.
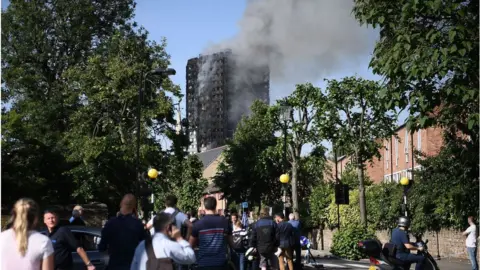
{"x": 405, "y": 182}
{"x": 285, "y": 115}
{"x": 163, "y": 74}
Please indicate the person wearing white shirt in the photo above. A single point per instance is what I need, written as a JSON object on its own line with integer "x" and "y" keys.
{"x": 471, "y": 242}
{"x": 21, "y": 247}
{"x": 167, "y": 243}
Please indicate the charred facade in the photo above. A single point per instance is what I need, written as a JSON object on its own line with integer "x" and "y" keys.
{"x": 217, "y": 97}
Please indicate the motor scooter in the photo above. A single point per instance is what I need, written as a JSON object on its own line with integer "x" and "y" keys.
{"x": 382, "y": 257}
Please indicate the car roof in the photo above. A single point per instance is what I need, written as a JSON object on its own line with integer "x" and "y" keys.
{"x": 92, "y": 230}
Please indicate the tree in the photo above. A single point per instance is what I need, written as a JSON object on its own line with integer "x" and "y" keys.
{"x": 445, "y": 191}
{"x": 359, "y": 120}
{"x": 428, "y": 53}
{"x": 251, "y": 163}
{"x": 305, "y": 103}
{"x": 184, "y": 179}
{"x": 40, "y": 42}
{"x": 103, "y": 125}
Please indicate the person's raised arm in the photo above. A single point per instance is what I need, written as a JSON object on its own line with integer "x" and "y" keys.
{"x": 468, "y": 230}
{"x": 189, "y": 226}
{"x": 193, "y": 240}
{"x": 181, "y": 252}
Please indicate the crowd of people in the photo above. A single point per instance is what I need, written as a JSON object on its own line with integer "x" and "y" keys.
{"x": 170, "y": 240}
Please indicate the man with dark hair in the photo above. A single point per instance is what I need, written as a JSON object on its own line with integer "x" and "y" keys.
{"x": 167, "y": 245}
{"x": 122, "y": 234}
{"x": 180, "y": 219}
{"x": 264, "y": 239}
{"x": 286, "y": 241}
{"x": 210, "y": 234}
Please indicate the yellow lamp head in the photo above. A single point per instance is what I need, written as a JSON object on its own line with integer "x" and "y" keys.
{"x": 152, "y": 173}
{"x": 404, "y": 181}
{"x": 284, "y": 178}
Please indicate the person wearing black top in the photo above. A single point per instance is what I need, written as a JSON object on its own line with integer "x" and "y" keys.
{"x": 64, "y": 243}
{"x": 122, "y": 234}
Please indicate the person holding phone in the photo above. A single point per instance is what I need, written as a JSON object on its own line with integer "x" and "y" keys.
{"x": 167, "y": 244}
{"x": 122, "y": 234}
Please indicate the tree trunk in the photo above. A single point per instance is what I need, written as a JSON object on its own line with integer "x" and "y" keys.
{"x": 361, "y": 194}
{"x": 294, "y": 187}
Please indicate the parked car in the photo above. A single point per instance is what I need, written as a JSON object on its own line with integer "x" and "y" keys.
{"x": 89, "y": 238}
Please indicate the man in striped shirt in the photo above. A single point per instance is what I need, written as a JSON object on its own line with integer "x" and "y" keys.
{"x": 211, "y": 235}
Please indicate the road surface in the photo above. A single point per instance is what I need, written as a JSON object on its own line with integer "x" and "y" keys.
{"x": 330, "y": 262}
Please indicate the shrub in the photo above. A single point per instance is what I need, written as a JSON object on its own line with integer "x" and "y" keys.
{"x": 346, "y": 239}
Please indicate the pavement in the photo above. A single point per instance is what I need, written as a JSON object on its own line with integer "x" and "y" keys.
{"x": 329, "y": 261}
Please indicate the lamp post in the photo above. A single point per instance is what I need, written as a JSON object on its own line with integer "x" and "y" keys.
{"x": 163, "y": 73}
{"x": 152, "y": 174}
{"x": 284, "y": 178}
{"x": 405, "y": 182}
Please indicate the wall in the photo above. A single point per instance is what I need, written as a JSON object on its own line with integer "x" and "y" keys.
{"x": 449, "y": 243}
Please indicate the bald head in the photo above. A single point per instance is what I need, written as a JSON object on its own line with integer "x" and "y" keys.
{"x": 128, "y": 204}
{"x": 291, "y": 216}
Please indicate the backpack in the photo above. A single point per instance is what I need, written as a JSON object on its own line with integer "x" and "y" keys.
{"x": 152, "y": 262}
{"x": 183, "y": 228}
{"x": 240, "y": 240}
{"x": 266, "y": 236}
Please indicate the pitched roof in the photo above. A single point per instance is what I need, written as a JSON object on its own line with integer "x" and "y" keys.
{"x": 211, "y": 155}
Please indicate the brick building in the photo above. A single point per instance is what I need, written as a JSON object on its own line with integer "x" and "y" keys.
{"x": 396, "y": 156}
{"x": 210, "y": 160}
{"x": 218, "y": 94}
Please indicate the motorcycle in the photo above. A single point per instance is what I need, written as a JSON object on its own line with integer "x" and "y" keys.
{"x": 382, "y": 257}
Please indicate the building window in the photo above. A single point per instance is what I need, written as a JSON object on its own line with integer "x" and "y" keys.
{"x": 419, "y": 140}
{"x": 406, "y": 146}
{"x": 387, "y": 156}
{"x": 396, "y": 151}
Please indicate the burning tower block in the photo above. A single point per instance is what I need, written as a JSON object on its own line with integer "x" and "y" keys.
{"x": 219, "y": 92}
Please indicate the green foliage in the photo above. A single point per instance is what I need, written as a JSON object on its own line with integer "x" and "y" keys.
{"x": 350, "y": 177}
{"x": 185, "y": 180}
{"x": 305, "y": 103}
{"x": 252, "y": 163}
{"x": 320, "y": 199}
{"x": 71, "y": 74}
{"x": 356, "y": 118}
{"x": 254, "y": 160}
{"x": 40, "y": 42}
{"x": 345, "y": 241}
{"x": 428, "y": 53}
{"x": 445, "y": 192}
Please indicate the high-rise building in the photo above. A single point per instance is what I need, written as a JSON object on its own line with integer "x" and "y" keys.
{"x": 218, "y": 94}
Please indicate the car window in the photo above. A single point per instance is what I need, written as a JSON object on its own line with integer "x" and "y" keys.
{"x": 86, "y": 240}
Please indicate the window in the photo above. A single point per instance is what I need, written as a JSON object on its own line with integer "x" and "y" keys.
{"x": 387, "y": 156}
{"x": 419, "y": 140}
{"x": 406, "y": 146}
{"x": 396, "y": 152}
{"x": 87, "y": 241}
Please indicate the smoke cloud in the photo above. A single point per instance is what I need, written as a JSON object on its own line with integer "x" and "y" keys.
{"x": 299, "y": 40}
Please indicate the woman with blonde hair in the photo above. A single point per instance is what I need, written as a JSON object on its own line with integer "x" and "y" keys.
{"x": 21, "y": 246}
